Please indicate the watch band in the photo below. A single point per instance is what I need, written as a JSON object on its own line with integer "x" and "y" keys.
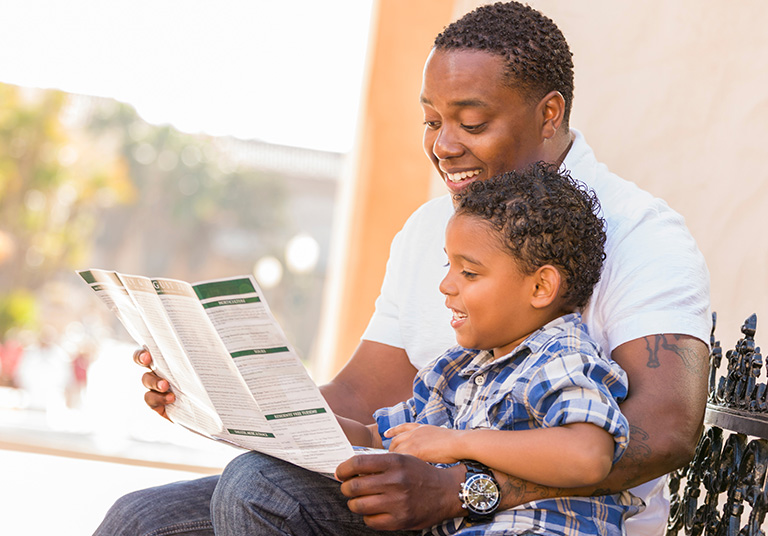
{"x": 479, "y": 513}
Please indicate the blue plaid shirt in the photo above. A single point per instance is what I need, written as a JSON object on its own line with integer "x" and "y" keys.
{"x": 557, "y": 376}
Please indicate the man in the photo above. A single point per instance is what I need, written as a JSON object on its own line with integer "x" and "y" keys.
{"x": 496, "y": 94}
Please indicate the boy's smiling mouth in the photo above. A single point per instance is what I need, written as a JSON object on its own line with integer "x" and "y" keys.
{"x": 457, "y": 318}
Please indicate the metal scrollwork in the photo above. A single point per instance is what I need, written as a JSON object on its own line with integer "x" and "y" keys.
{"x": 739, "y": 388}
{"x": 727, "y": 477}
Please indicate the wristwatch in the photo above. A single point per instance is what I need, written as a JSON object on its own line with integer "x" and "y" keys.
{"x": 480, "y": 493}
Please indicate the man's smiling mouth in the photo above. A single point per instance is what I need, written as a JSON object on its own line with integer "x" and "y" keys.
{"x": 458, "y": 177}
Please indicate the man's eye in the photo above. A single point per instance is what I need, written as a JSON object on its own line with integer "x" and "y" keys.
{"x": 473, "y": 128}
{"x": 432, "y": 125}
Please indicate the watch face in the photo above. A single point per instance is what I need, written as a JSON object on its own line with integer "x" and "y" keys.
{"x": 481, "y": 494}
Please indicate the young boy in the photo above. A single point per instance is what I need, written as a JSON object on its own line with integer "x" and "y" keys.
{"x": 527, "y": 392}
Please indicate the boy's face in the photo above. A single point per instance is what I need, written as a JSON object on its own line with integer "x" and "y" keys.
{"x": 476, "y": 126}
{"x": 489, "y": 296}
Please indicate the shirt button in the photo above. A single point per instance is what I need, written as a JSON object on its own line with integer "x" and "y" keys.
{"x": 479, "y": 380}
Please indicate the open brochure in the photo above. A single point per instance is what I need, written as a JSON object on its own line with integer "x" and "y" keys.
{"x": 235, "y": 376}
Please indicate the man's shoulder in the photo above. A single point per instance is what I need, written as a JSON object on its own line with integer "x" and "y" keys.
{"x": 438, "y": 207}
{"x": 622, "y": 201}
{"x": 426, "y": 225}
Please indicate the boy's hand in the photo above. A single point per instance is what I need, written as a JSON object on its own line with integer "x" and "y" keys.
{"x": 429, "y": 443}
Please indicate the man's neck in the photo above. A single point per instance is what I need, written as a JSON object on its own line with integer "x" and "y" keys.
{"x": 561, "y": 146}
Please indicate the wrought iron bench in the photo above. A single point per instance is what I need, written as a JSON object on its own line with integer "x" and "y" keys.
{"x": 726, "y": 480}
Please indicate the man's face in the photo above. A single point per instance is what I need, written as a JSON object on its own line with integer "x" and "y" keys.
{"x": 488, "y": 295}
{"x": 475, "y": 126}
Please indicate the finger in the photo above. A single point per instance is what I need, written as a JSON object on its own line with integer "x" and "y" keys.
{"x": 400, "y": 428}
{"x": 380, "y": 510}
{"x": 366, "y": 491}
{"x": 396, "y": 445}
{"x": 368, "y": 505}
{"x": 402, "y": 439}
{"x": 384, "y": 521}
{"x": 142, "y": 357}
{"x": 157, "y": 402}
{"x": 358, "y": 465}
{"x": 153, "y": 382}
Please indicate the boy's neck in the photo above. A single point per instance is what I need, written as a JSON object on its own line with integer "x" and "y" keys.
{"x": 545, "y": 319}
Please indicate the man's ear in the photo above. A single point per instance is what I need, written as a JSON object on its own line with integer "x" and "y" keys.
{"x": 546, "y": 286}
{"x": 552, "y": 110}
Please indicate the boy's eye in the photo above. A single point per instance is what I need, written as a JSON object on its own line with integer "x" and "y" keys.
{"x": 468, "y": 275}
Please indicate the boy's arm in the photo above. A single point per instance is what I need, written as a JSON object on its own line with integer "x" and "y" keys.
{"x": 578, "y": 454}
{"x": 665, "y": 411}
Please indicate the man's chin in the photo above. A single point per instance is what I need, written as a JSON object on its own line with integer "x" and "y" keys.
{"x": 458, "y": 187}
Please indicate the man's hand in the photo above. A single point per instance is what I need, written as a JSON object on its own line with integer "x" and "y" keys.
{"x": 159, "y": 395}
{"x": 400, "y": 492}
{"x": 429, "y": 443}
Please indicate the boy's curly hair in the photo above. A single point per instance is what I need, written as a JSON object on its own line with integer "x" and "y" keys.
{"x": 538, "y": 59}
{"x": 544, "y": 217}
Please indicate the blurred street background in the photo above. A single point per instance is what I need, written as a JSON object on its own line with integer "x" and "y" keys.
{"x": 151, "y": 140}
{"x": 197, "y": 140}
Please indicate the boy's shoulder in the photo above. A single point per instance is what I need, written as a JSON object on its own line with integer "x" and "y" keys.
{"x": 566, "y": 333}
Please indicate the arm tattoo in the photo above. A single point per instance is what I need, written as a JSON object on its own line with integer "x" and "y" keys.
{"x": 653, "y": 353}
{"x": 513, "y": 488}
{"x": 521, "y": 491}
{"x": 687, "y": 355}
{"x": 638, "y": 450}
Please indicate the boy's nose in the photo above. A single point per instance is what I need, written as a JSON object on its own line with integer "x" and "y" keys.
{"x": 446, "y": 288}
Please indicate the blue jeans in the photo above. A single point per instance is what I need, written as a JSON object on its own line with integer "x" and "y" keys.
{"x": 255, "y": 495}
{"x": 178, "y": 508}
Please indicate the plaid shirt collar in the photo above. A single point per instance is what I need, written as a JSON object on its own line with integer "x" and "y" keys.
{"x": 484, "y": 360}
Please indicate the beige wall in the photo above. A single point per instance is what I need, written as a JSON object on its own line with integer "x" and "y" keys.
{"x": 674, "y": 96}
{"x": 671, "y": 95}
{"x": 388, "y": 175}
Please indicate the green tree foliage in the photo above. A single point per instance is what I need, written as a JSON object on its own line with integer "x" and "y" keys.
{"x": 190, "y": 197}
{"x": 51, "y": 191}
{"x": 86, "y": 182}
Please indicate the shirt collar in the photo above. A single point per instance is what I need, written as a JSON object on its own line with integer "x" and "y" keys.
{"x": 484, "y": 360}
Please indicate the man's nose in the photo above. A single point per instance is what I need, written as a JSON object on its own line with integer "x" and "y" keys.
{"x": 447, "y": 144}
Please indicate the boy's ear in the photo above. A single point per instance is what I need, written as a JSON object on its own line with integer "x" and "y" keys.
{"x": 546, "y": 286}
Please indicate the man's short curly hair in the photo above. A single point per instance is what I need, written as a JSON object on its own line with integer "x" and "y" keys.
{"x": 536, "y": 53}
{"x": 544, "y": 217}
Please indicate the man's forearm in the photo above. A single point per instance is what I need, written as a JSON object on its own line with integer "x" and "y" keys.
{"x": 376, "y": 376}
{"x": 344, "y": 402}
{"x": 633, "y": 469}
{"x": 359, "y": 434}
{"x": 516, "y": 491}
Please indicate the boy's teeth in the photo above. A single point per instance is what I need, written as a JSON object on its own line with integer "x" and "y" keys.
{"x": 458, "y": 316}
{"x": 458, "y": 177}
